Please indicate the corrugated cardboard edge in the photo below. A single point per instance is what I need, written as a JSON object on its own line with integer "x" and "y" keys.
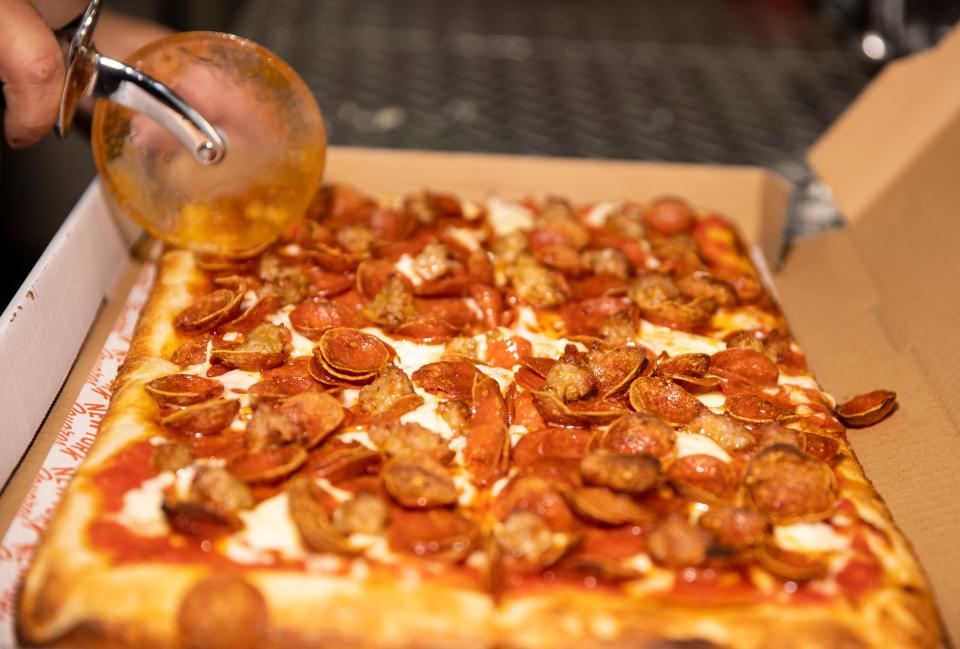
{"x": 44, "y": 325}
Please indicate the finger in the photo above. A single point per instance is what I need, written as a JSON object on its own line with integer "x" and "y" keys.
{"x": 31, "y": 68}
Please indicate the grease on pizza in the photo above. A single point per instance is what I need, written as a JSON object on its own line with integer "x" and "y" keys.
{"x": 431, "y": 422}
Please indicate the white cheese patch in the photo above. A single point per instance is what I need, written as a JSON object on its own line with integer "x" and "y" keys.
{"x": 517, "y": 431}
{"x": 640, "y": 562}
{"x": 238, "y": 380}
{"x": 359, "y": 436}
{"x": 499, "y": 486}
{"x": 465, "y": 488}
{"x": 712, "y": 400}
{"x": 810, "y": 537}
{"x": 697, "y": 444}
{"x": 249, "y": 299}
{"x": 543, "y": 345}
{"x": 184, "y": 480}
{"x": 231, "y": 336}
{"x": 411, "y": 356}
{"x": 506, "y": 216}
{"x": 471, "y": 209}
{"x": 404, "y": 266}
{"x": 665, "y": 339}
{"x": 427, "y": 416}
{"x": 373, "y": 546}
{"x": 340, "y": 495}
{"x": 302, "y": 346}
{"x": 267, "y": 527}
{"x": 598, "y": 214}
{"x": 349, "y": 397}
{"x": 801, "y": 380}
{"x": 142, "y": 511}
{"x": 457, "y": 445}
{"x": 470, "y": 238}
{"x": 502, "y": 376}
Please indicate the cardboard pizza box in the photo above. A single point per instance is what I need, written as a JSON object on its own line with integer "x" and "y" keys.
{"x": 874, "y": 305}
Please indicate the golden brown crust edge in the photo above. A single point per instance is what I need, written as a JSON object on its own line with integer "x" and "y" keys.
{"x": 62, "y": 598}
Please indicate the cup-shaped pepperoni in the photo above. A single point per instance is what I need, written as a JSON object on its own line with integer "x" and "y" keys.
{"x": 790, "y": 565}
{"x": 221, "y": 612}
{"x": 630, "y": 474}
{"x": 669, "y": 215}
{"x": 744, "y": 368}
{"x": 255, "y": 315}
{"x": 353, "y": 351}
{"x": 867, "y": 409}
{"x": 268, "y": 465}
{"x": 820, "y": 446}
{"x": 677, "y": 543}
{"x": 751, "y": 409}
{"x": 639, "y": 433}
{"x": 311, "y": 519}
{"x": 447, "y": 379}
{"x": 734, "y": 527}
{"x": 537, "y": 494}
{"x": 438, "y": 534}
{"x": 209, "y": 310}
{"x": 192, "y": 352}
{"x": 703, "y": 478}
{"x": 586, "y": 316}
{"x": 317, "y": 413}
{"x": 312, "y": 317}
{"x": 686, "y": 316}
{"x": 428, "y": 329}
{"x": 372, "y": 276}
{"x": 614, "y": 370}
{"x": 555, "y": 412}
{"x": 336, "y": 460}
{"x": 278, "y": 388}
{"x": 204, "y": 418}
{"x": 418, "y": 482}
{"x": 600, "y": 505}
{"x": 183, "y": 389}
{"x": 666, "y": 399}
{"x": 787, "y": 486}
{"x": 264, "y": 347}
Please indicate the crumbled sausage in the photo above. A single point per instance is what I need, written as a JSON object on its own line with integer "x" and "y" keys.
{"x": 390, "y": 386}
{"x": 568, "y": 381}
{"x": 357, "y": 239}
{"x": 432, "y": 262}
{"x": 535, "y": 284}
{"x": 608, "y": 261}
{"x": 392, "y": 306}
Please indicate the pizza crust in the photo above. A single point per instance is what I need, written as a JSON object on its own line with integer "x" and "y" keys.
{"x": 74, "y": 597}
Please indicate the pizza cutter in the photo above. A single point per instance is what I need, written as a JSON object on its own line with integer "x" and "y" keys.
{"x": 208, "y": 140}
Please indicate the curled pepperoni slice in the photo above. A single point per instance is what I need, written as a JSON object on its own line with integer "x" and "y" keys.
{"x": 391, "y": 225}
{"x": 666, "y": 399}
{"x": 209, "y": 311}
{"x": 269, "y": 464}
{"x": 638, "y": 433}
{"x": 372, "y": 277}
{"x": 337, "y": 460}
{"x": 539, "y": 366}
{"x": 447, "y": 379}
{"x": 790, "y": 565}
{"x": 551, "y": 442}
{"x": 533, "y": 493}
{"x": 787, "y": 486}
{"x": 506, "y": 351}
{"x": 254, "y": 315}
{"x": 453, "y": 311}
{"x": 313, "y": 317}
{"x": 555, "y": 412}
{"x": 629, "y": 474}
{"x": 867, "y": 409}
{"x": 418, "y": 482}
{"x": 278, "y": 388}
{"x": 266, "y": 346}
{"x": 223, "y": 611}
{"x": 677, "y": 543}
{"x": 321, "y": 375}
{"x": 332, "y": 259}
{"x": 317, "y": 413}
{"x": 669, "y": 216}
{"x": 426, "y": 329}
{"x": 352, "y": 351}
{"x": 439, "y": 534}
{"x": 529, "y": 380}
{"x": 586, "y": 316}
{"x": 821, "y": 447}
{"x": 204, "y": 418}
{"x": 734, "y": 527}
{"x": 490, "y": 303}
{"x": 703, "y": 478}
{"x": 311, "y": 519}
{"x": 687, "y": 370}
{"x": 488, "y": 444}
{"x": 444, "y": 287}
{"x": 183, "y": 389}
{"x": 744, "y": 368}
{"x": 614, "y": 370}
{"x": 324, "y": 284}
{"x": 603, "y": 506}
{"x": 751, "y": 409}
{"x": 192, "y": 352}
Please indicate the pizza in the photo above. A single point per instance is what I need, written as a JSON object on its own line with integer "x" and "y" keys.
{"x": 432, "y": 422}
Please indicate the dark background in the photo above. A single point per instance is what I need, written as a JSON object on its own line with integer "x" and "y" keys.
{"x": 715, "y": 81}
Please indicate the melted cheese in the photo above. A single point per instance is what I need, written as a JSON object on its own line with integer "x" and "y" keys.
{"x": 359, "y": 436}
{"x": 427, "y": 416}
{"x": 465, "y": 488}
{"x": 238, "y": 380}
{"x": 404, "y": 266}
{"x": 411, "y": 356}
{"x": 712, "y": 400}
{"x": 810, "y": 537}
{"x": 697, "y": 444}
{"x": 506, "y": 217}
{"x": 801, "y": 380}
{"x": 598, "y": 214}
{"x": 665, "y": 339}
{"x": 302, "y": 346}
{"x": 470, "y": 238}
{"x": 267, "y": 528}
{"x": 373, "y": 546}
{"x": 142, "y": 511}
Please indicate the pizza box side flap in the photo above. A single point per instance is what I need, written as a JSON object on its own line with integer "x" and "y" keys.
{"x": 830, "y": 298}
{"x": 752, "y": 197}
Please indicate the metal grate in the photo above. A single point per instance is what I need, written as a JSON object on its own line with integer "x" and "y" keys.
{"x": 687, "y": 81}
